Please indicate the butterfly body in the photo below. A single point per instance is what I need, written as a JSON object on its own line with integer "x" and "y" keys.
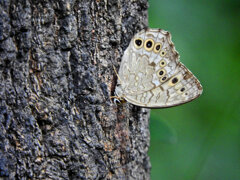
{"x": 151, "y": 74}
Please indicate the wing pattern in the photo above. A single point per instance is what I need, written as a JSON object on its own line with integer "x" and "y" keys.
{"x": 151, "y": 74}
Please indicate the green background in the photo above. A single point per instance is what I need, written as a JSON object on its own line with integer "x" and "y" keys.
{"x": 200, "y": 140}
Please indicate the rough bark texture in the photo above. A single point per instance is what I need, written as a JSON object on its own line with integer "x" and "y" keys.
{"x": 56, "y": 79}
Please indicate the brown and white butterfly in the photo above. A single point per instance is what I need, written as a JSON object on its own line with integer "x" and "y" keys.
{"x": 151, "y": 74}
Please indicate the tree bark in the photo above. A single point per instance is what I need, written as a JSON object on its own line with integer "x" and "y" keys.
{"x": 56, "y": 78}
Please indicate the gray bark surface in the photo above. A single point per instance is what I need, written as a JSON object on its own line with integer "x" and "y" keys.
{"x": 56, "y": 78}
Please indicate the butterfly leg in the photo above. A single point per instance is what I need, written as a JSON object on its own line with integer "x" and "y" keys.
{"x": 118, "y": 100}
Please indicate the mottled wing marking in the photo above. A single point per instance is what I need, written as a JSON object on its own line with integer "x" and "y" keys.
{"x": 135, "y": 70}
{"x": 153, "y": 77}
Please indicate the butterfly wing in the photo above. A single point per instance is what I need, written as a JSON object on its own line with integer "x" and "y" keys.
{"x": 135, "y": 71}
{"x": 151, "y": 74}
{"x": 181, "y": 88}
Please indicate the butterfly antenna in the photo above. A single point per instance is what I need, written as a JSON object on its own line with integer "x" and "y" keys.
{"x": 117, "y": 73}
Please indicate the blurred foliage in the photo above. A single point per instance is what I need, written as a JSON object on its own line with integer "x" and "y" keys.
{"x": 200, "y": 140}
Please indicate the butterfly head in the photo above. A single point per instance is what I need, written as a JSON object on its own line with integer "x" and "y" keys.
{"x": 119, "y": 97}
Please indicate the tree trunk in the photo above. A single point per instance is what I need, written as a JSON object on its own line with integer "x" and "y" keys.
{"x": 57, "y": 120}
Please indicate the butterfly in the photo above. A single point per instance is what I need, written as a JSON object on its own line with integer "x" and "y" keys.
{"x": 151, "y": 74}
